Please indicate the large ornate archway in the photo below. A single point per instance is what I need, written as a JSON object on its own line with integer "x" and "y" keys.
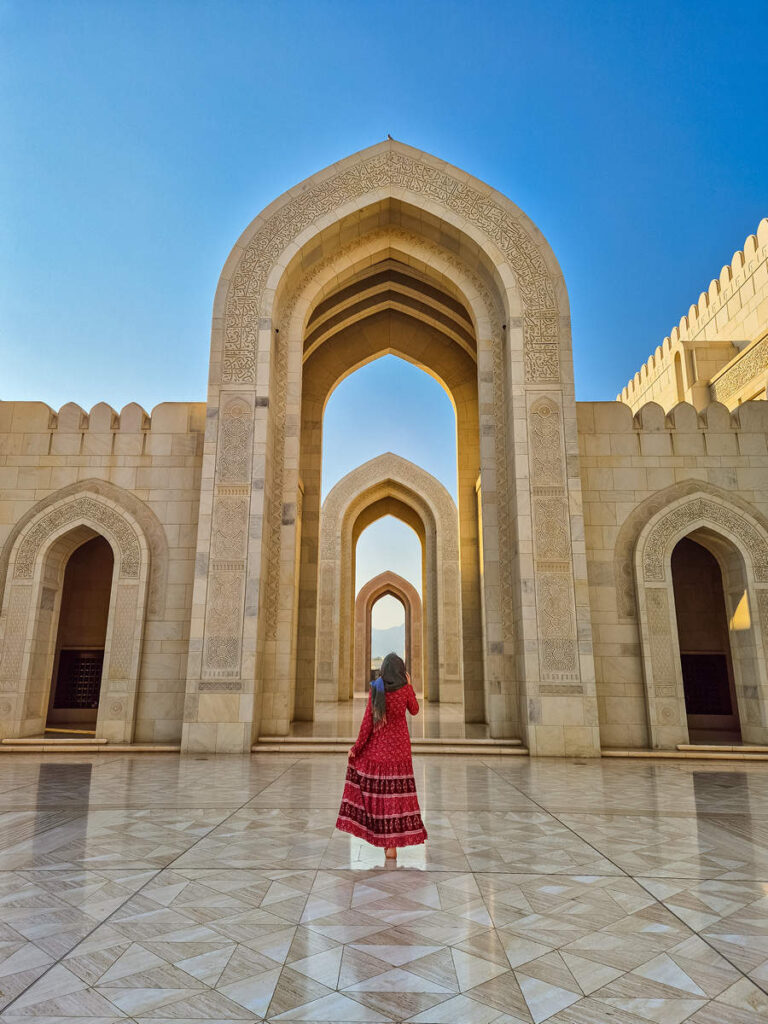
{"x": 740, "y": 544}
{"x": 390, "y": 484}
{"x": 376, "y": 588}
{"x": 36, "y": 561}
{"x": 387, "y": 238}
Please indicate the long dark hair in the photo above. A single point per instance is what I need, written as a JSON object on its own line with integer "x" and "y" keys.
{"x": 392, "y": 676}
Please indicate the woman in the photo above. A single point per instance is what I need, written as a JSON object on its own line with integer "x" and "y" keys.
{"x": 380, "y": 803}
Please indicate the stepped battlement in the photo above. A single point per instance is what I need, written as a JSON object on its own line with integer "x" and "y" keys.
{"x": 727, "y": 318}
{"x": 34, "y": 427}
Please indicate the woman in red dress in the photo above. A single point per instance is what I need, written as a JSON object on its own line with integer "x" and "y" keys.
{"x": 379, "y": 802}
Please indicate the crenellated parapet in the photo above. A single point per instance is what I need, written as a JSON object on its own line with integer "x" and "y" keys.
{"x": 725, "y": 329}
{"x": 614, "y": 418}
{"x": 34, "y": 428}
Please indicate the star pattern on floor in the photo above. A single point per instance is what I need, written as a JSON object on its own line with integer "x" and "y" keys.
{"x": 261, "y": 912}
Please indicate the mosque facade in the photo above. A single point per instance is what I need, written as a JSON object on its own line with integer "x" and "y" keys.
{"x": 601, "y": 583}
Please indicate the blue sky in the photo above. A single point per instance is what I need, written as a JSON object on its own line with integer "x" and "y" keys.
{"x": 140, "y": 138}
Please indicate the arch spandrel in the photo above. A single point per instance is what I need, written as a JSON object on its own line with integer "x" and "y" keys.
{"x": 473, "y": 225}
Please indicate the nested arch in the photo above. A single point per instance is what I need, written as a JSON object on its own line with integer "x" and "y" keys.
{"x": 739, "y": 542}
{"x": 388, "y": 292}
{"x": 374, "y": 489}
{"x": 387, "y": 583}
{"x": 478, "y": 280}
{"x": 36, "y": 565}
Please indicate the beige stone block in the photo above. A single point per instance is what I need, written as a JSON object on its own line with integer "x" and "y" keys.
{"x": 233, "y": 738}
{"x": 218, "y": 707}
{"x": 31, "y": 417}
{"x": 547, "y": 741}
{"x": 199, "y": 737}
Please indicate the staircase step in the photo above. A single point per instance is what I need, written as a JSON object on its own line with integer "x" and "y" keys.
{"x": 278, "y": 745}
{"x": 739, "y": 748}
{"x": 424, "y": 741}
{"x": 694, "y": 753}
{"x": 57, "y": 747}
{"x": 54, "y": 741}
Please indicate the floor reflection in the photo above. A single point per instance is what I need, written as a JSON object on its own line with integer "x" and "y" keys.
{"x": 434, "y": 721}
{"x": 146, "y": 888}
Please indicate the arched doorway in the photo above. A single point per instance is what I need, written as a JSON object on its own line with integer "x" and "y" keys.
{"x": 389, "y": 485}
{"x": 81, "y": 636}
{"x": 392, "y": 251}
{"x": 384, "y": 636}
{"x": 387, "y": 583}
{"x": 38, "y": 555}
{"x": 705, "y": 645}
{"x": 725, "y": 554}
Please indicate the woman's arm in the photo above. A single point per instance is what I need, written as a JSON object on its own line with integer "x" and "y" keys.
{"x": 366, "y": 728}
{"x": 413, "y": 704}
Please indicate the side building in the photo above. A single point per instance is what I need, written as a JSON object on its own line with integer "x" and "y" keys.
{"x": 719, "y": 350}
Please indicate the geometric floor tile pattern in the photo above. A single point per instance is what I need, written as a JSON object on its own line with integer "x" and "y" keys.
{"x": 155, "y": 889}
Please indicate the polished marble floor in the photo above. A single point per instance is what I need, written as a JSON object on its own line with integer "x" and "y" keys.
{"x": 158, "y": 889}
{"x": 434, "y": 721}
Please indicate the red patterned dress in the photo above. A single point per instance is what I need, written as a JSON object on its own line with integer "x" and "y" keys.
{"x": 380, "y": 803}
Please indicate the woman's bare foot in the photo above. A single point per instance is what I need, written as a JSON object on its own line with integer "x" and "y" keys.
{"x": 391, "y": 853}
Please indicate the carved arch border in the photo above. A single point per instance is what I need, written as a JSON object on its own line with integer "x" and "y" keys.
{"x": 151, "y": 527}
{"x": 388, "y": 583}
{"x": 524, "y": 273}
{"x": 736, "y": 537}
{"x": 626, "y": 540}
{"x": 389, "y": 476}
{"x": 526, "y": 277}
{"x": 38, "y": 554}
{"x": 527, "y": 271}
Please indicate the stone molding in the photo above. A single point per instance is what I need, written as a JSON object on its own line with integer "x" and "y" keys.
{"x": 390, "y": 170}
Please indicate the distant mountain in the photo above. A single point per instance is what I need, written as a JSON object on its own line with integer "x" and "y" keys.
{"x": 385, "y": 640}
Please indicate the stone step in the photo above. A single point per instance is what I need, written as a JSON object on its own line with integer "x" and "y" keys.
{"x": 57, "y": 747}
{"x": 334, "y": 745}
{"x": 63, "y": 741}
{"x": 423, "y": 740}
{"x": 692, "y": 753}
{"x": 740, "y": 748}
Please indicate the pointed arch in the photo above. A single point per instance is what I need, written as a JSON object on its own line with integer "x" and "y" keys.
{"x": 150, "y": 525}
{"x": 626, "y": 540}
{"x": 395, "y": 585}
{"x": 366, "y": 488}
{"x": 37, "y": 558}
{"x": 737, "y": 538}
{"x": 476, "y": 275}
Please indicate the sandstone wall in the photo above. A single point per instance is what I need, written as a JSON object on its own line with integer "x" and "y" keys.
{"x": 155, "y": 457}
{"x": 626, "y": 461}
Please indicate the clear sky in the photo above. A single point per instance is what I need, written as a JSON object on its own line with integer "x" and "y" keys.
{"x": 140, "y": 138}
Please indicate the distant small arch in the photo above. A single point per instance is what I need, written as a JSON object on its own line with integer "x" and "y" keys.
{"x": 387, "y": 583}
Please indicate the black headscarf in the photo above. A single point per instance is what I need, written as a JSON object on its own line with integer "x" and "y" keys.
{"x": 392, "y": 677}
